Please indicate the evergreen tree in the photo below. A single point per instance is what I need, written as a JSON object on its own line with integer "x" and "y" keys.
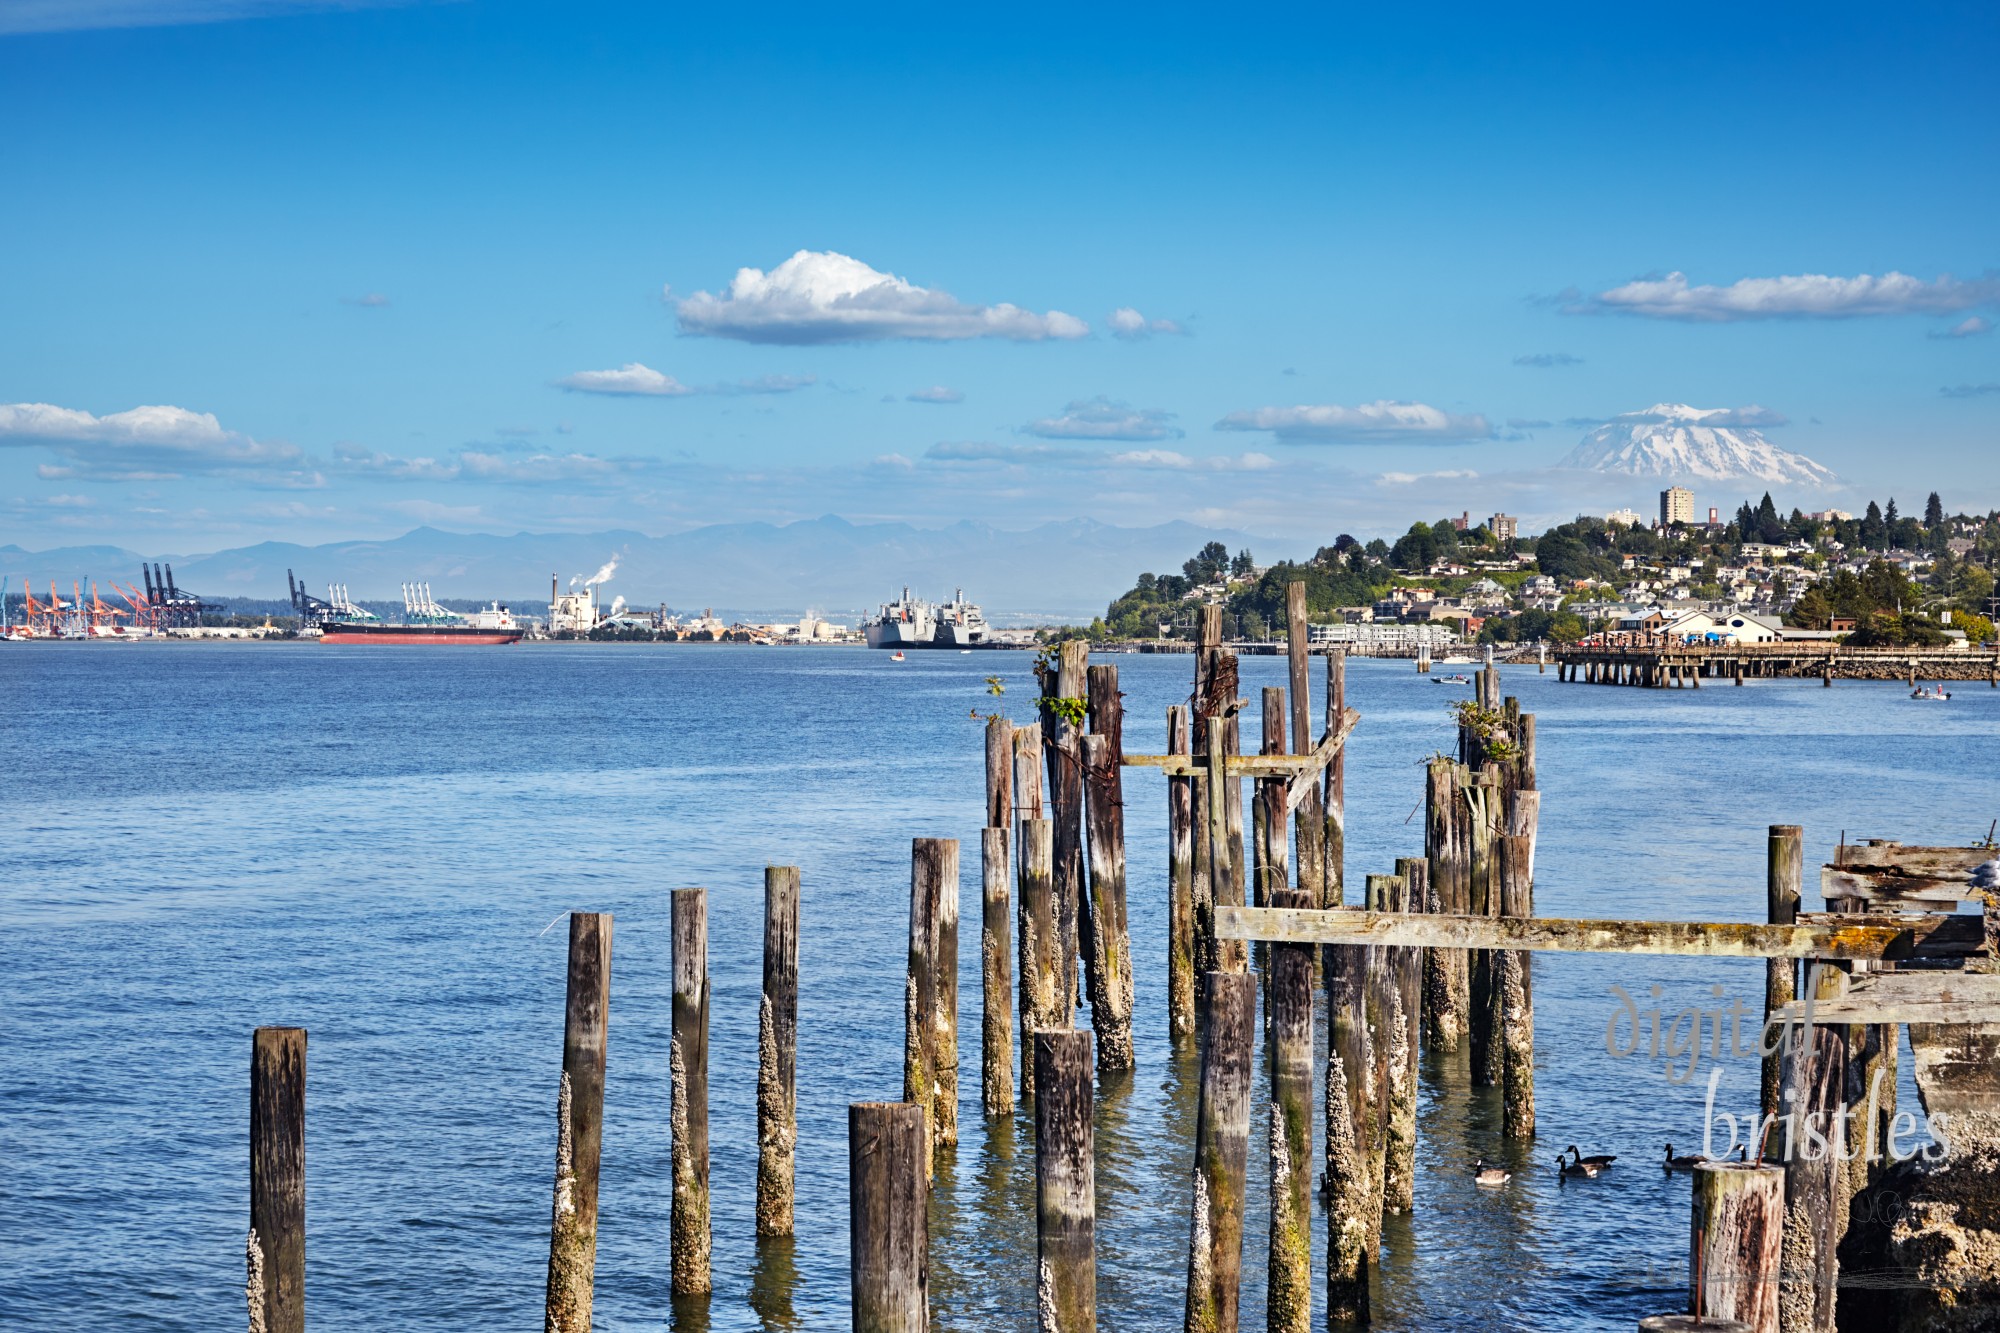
{"x": 1243, "y": 566}
{"x": 1933, "y": 511}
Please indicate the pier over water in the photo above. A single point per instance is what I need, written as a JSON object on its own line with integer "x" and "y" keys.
{"x": 1662, "y": 665}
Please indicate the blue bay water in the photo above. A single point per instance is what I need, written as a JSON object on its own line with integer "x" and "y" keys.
{"x": 379, "y": 844}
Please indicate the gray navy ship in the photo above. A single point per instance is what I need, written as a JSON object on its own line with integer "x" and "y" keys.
{"x": 912, "y": 622}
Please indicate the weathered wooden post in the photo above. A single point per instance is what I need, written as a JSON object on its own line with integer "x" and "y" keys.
{"x": 1516, "y": 993}
{"x": 1224, "y": 813}
{"x": 1350, "y": 1182}
{"x": 1180, "y": 885}
{"x": 1394, "y": 1159}
{"x": 1221, "y": 1154}
{"x": 688, "y": 1064}
{"x": 930, "y": 999}
{"x": 1784, "y": 873}
{"x": 1110, "y": 960}
{"x": 579, "y": 1125}
{"x": 888, "y": 1231}
{"x": 777, "y": 1053}
{"x": 1289, "y": 1299}
{"x": 996, "y": 1030}
{"x": 1482, "y": 817}
{"x": 999, "y": 772}
{"x": 1311, "y": 822}
{"x": 1028, "y": 774}
{"x": 1042, "y": 1006}
{"x": 1063, "y": 702}
{"x": 1269, "y": 844}
{"x": 1735, "y": 1243}
{"x": 1334, "y": 848}
{"x": 1065, "y": 1184}
{"x": 1447, "y": 999}
{"x": 1815, "y": 1195}
{"x": 275, "y": 1249}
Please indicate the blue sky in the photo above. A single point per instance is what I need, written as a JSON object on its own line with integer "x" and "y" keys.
{"x": 398, "y": 253}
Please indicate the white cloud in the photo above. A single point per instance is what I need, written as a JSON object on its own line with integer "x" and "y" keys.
{"x": 630, "y": 379}
{"x": 1411, "y": 478}
{"x": 826, "y": 297}
{"x": 143, "y": 444}
{"x": 1382, "y": 420}
{"x": 1749, "y": 416}
{"x": 1125, "y": 322}
{"x": 937, "y": 393}
{"x": 1803, "y": 296}
{"x": 475, "y": 465}
{"x": 978, "y": 451}
{"x": 18, "y": 16}
{"x": 634, "y": 380}
{"x": 1972, "y": 326}
{"x": 1103, "y": 418}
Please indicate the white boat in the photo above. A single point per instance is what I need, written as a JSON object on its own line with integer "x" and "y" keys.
{"x": 1937, "y": 694}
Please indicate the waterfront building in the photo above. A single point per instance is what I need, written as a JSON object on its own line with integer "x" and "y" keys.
{"x": 1676, "y": 506}
{"x": 1389, "y": 637}
{"x": 1504, "y": 527}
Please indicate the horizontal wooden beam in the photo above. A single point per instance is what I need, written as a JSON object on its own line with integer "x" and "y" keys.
{"x": 1300, "y": 767}
{"x": 1836, "y": 885}
{"x": 1700, "y": 939}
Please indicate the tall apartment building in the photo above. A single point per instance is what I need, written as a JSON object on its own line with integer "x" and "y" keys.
{"x": 1504, "y": 527}
{"x": 1676, "y": 505}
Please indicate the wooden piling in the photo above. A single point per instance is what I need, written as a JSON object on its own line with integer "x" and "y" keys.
{"x": 688, "y": 1064}
{"x": 930, "y": 1031}
{"x": 1735, "y": 1243}
{"x": 1815, "y": 1197}
{"x": 579, "y": 1125}
{"x": 888, "y": 1230}
{"x": 1110, "y": 958}
{"x": 1481, "y": 814}
{"x": 1516, "y": 993}
{"x": 1062, "y": 744}
{"x": 1310, "y": 825}
{"x": 1221, "y": 1154}
{"x": 996, "y": 1032}
{"x": 1269, "y": 815}
{"x": 1042, "y": 1006}
{"x": 1334, "y": 850}
{"x": 1028, "y": 775}
{"x": 777, "y": 1052}
{"x": 1349, "y": 1183}
{"x": 1224, "y": 818}
{"x": 999, "y": 772}
{"x": 1065, "y": 1188}
{"x": 1180, "y": 885}
{"x": 275, "y": 1248}
{"x": 1394, "y": 1159}
{"x": 1784, "y": 873}
{"x": 1288, "y": 1301}
{"x": 1447, "y": 998}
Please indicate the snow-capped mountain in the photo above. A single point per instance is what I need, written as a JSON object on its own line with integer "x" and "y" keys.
{"x": 1713, "y": 444}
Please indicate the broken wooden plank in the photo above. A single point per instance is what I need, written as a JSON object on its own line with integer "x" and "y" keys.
{"x": 1836, "y": 883}
{"x": 1906, "y": 997}
{"x": 1939, "y": 935}
{"x": 1854, "y": 938}
{"x": 1306, "y": 781}
{"x": 1892, "y": 858}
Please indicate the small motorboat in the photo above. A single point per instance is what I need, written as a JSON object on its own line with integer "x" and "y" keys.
{"x": 1936, "y": 694}
{"x": 1451, "y": 680}
{"x": 897, "y": 656}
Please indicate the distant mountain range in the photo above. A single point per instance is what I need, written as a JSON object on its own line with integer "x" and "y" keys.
{"x": 1057, "y": 571}
{"x": 1673, "y": 440}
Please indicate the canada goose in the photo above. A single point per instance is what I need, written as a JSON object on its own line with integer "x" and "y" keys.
{"x": 1600, "y": 1160}
{"x": 1566, "y": 1168}
{"x": 1485, "y": 1174}
{"x": 1686, "y": 1163}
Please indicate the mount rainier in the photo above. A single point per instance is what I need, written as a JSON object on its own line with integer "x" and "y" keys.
{"x": 1713, "y": 444}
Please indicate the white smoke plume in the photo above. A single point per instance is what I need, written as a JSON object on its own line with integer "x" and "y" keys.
{"x": 603, "y": 575}
{"x": 617, "y": 604}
